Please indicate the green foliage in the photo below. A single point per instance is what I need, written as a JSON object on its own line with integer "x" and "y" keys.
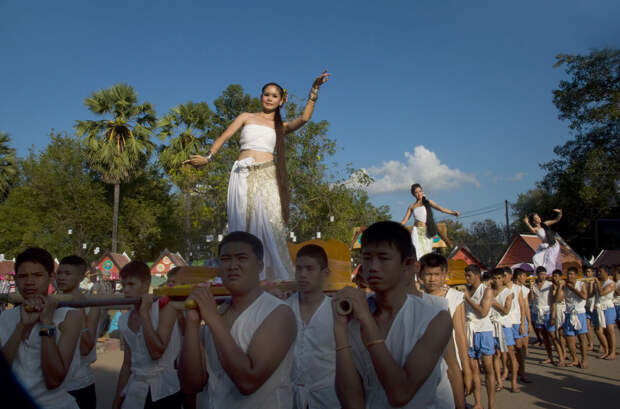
{"x": 8, "y": 168}
{"x": 120, "y": 145}
{"x": 583, "y": 180}
{"x": 55, "y": 193}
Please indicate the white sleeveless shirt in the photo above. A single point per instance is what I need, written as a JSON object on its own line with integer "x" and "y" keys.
{"x": 276, "y": 392}
{"x": 27, "y": 363}
{"x": 408, "y": 327}
{"x": 419, "y": 214}
{"x": 541, "y": 299}
{"x": 84, "y": 376}
{"x": 574, "y": 303}
{"x": 474, "y": 322}
{"x": 500, "y": 298}
{"x": 160, "y": 376}
{"x": 257, "y": 137}
{"x": 313, "y": 376}
{"x": 515, "y": 309}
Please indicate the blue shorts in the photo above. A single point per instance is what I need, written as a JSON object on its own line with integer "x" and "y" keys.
{"x": 570, "y": 331}
{"x": 515, "y": 331}
{"x": 484, "y": 344}
{"x": 610, "y": 317}
{"x": 508, "y": 337}
{"x": 545, "y": 324}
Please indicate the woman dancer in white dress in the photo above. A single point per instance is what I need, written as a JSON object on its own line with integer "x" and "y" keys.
{"x": 424, "y": 227}
{"x": 258, "y": 199}
{"x": 548, "y": 253}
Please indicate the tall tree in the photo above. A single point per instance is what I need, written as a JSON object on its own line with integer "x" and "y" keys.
{"x": 57, "y": 203}
{"x": 184, "y": 128}
{"x": 8, "y": 168}
{"x": 585, "y": 176}
{"x": 119, "y": 146}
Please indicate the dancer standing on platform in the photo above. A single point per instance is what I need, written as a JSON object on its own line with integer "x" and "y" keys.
{"x": 258, "y": 197}
{"x": 548, "y": 253}
{"x": 424, "y": 228}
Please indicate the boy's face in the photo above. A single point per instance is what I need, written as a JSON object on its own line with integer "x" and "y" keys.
{"x": 433, "y": 278}
{"x": 589, "y": 272}
{"x": 134, "y": 287}
{"x": 32, "y": 279}
{"x": 522, "y": 279}
{"x": 507, "y": 278}
{"x": 541, "y": 275}
{"x": 497, "y": 281}
{"x": 603, "y": 275}
{"x": 471, "y": 278}
{"x": 383, "y": 267}
{"x": 68, "y": 277}
{"x": 309, "y": 275}
{"x": 239, "y": 267}
{"x": 571, "y": 276}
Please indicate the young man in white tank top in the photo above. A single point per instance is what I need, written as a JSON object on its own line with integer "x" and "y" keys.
{"x": 388, "y": 353}
{"x": 518, "y": 315}
{"x": 152, "y": 340}
{"x": 39, "y": 341}
{"x": 249, "y": 345}
{"x": 575, "y": 294}
{"x": 314, "y": 364}
{"x": 605, "y": 312}
{"x": 434, "y": 274}
{"x": 69, "y": 274}
{"x": 478, "y": 299}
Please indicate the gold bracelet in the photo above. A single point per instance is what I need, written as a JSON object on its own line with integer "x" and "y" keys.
{"x": 343, "y": 348}
{"x": 375, "y": 342}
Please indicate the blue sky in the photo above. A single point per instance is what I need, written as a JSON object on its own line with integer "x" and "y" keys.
{"x": 455, "y": 95}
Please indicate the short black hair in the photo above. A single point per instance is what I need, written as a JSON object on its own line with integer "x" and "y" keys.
{"x": 137, "y": 269}
{"x": 558, "y": 272}
{"x": 507, "y": 269}
{"x": 573, "y": 269}
{"x": 243, "y": 237}
{"x": 472, "y": 268}
{"x": 392, "y": 233}
{"x": 35, "y": 255}
{"x": 76, "y": 261}
{"x": 495, "y": 272}
{"x": 541, "y": 269}
{"x": 519, "y": 271}
{"x": 433, "y": 260}
{"x": 315, "y": 252}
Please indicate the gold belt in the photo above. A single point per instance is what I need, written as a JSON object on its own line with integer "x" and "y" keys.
{"x": 262, "y": 165}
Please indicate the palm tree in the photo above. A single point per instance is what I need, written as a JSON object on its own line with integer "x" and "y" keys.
{"x": 118, "y": 147}
{"x": 8, "y": 168}
{"x": 185, "y": 127}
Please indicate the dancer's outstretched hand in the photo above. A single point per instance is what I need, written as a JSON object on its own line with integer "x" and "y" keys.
{"x": 321, "y": 79}
{"x": 196, "y": 161}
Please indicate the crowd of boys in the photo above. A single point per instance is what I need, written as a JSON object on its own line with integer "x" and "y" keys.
{"x": 408, "y": 342}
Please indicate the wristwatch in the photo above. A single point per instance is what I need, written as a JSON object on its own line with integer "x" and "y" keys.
{"x": 47, "y": 331}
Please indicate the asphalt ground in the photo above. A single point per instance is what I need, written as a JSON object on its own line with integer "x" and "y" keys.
{"x": 598, "y": 386}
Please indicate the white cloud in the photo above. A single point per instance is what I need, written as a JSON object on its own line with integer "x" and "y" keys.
{"x": 423, "y": 167}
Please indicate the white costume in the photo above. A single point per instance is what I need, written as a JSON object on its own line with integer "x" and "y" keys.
{"x": 541, "y": 301}
{"x": 160, "y": 376}
{"x": 276, "y": 392}
{"x": 444, "y": 390}
{"x": 475, "y": 323}
{"x": 84, "y": 376}
{"x": 500, "y": 320}
{"x": 313, "y": 376}
{"x": 27, "y": 363}
{"x": 547, "y": 256}
{"x": 515, "y": 308}
{"x": 254, "y": 202}
{"x": 408, "y": 327}
{"x": 574, "y": 304}
{"x": 423, "y": 245}
{"x": 604, "y": 302}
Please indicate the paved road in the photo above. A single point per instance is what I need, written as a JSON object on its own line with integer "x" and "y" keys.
{"x": 553, "y": 388}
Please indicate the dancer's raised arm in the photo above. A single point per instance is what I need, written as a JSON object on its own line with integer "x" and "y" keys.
{"x": 298, "y": 122}
{"x": 557, "y": 217}
{"x": 443, "y": 209}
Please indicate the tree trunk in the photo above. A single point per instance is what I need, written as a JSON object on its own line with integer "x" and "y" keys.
{"x": 188, "y": 209}
{"x": 117, "y": 193}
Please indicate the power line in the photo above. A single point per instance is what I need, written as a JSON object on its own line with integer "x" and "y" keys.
{"x": 489, "y": 207}
{"x": 501, "y": 207}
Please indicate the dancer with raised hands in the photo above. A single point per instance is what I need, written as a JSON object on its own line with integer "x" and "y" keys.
{"x": 424, "y": 228}
{"x": 258, "y": 197}
{"x": 548, "y": 252}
